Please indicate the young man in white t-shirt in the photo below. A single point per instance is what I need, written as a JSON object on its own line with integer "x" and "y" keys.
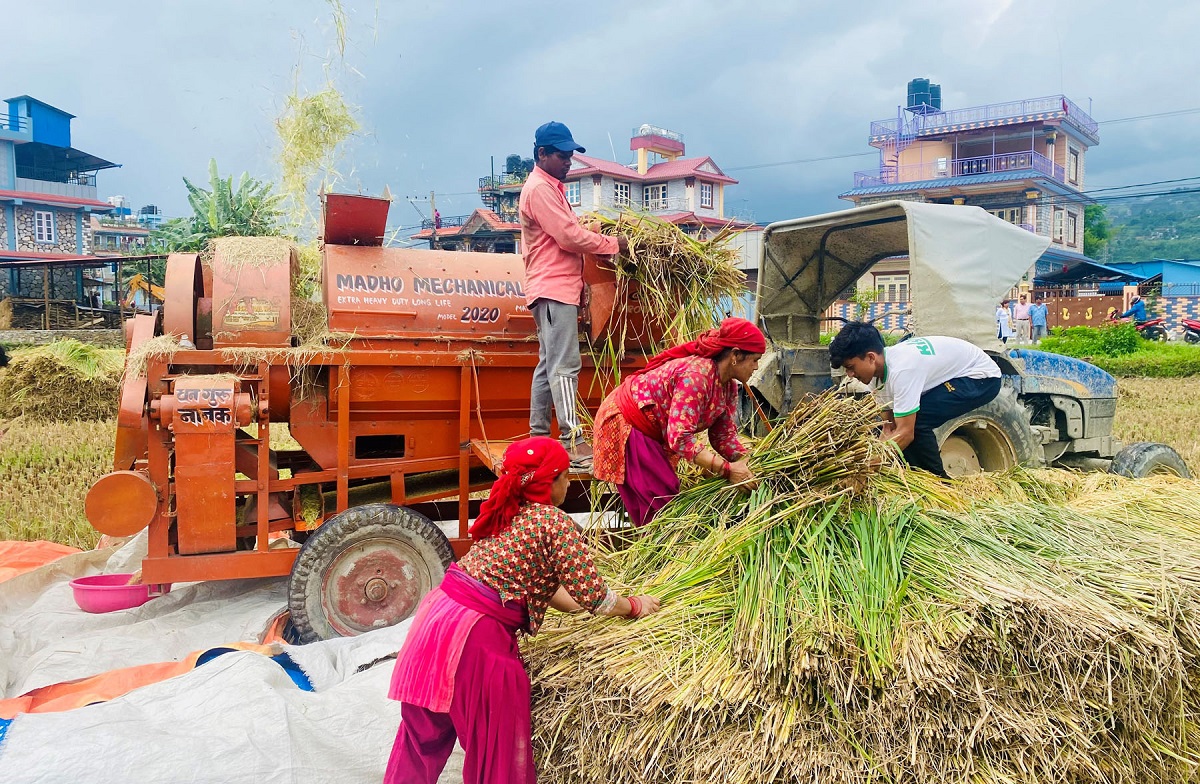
{"x": 925, "y": 381}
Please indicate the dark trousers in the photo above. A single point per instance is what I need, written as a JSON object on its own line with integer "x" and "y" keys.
{"x": 938, "y": 406}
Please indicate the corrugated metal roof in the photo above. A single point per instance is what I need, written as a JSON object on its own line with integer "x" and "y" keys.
{"x": 945, "y": 182}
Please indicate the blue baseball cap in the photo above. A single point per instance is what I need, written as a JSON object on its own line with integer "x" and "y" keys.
{"x": 556, "y": 136}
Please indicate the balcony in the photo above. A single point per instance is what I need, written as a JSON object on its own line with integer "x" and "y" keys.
{"x": 498, "y": 181}
{"x": 944, "y": 168}
{"x": 80, "y": 186}
{"x": 1051, "y": 107}
{"x": 14, "y": 127}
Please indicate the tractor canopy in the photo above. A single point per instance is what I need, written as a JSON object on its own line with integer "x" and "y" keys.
{"x": 962, "y": 261}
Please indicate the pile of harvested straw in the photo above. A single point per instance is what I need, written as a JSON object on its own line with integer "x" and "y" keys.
{"x": 65, "y": 380}
{"x": 686, "y": 284}
{"x": 844, "y": 623}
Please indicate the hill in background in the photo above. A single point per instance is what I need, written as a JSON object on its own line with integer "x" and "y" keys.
{"x": 1165, "y": 227}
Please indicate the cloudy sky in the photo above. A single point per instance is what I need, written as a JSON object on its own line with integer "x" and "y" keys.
{"x": 441, "y": 87}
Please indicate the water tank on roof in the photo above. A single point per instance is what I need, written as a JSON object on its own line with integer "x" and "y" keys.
{"x": 921, "y": 96}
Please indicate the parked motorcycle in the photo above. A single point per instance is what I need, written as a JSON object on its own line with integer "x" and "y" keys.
{"x": 1191, "y": 330}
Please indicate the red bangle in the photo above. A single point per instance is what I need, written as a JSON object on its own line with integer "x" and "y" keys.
{"x": 635, "y": 607}
{"x": 726, "y": 470}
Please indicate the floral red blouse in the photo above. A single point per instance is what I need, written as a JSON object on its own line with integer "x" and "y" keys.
{"x": 688, "y": 394}
{"x": 541, "y": 550}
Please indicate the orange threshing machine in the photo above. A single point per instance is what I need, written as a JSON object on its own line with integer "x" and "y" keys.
{"x": 395, "y": 430}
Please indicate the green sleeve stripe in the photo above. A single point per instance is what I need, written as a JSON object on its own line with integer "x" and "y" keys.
{"x": 906, "y": 413}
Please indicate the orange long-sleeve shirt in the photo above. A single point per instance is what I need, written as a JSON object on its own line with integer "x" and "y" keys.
{"x": 553, "y": 242}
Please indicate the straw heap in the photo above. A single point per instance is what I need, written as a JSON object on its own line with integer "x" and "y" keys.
{"x": 689, "y": 280}
{"x": 62, "y": 381}
{"x": 844, "y": 624}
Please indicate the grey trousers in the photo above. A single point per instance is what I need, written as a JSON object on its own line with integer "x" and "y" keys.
{"x": 556, "y": 377}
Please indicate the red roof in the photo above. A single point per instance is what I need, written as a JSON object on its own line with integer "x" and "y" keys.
{"x": 687, "y": 167}
{"x": 679, "y": 218}
{"x": 593, "y": 165}
{"x": 51, "y": 198}
{"x": 667, "y": 170}
{"x": 51, "y": 258}
{"x": 487, "y": 216}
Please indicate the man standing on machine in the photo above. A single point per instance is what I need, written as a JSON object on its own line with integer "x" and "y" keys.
{"x": 553, "y": 244}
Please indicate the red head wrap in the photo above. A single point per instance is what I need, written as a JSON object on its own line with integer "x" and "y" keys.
{"x": 733, "y": 333}
{"x": 528, "y": 473}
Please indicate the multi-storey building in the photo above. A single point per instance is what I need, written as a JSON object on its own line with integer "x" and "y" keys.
{"x": 1023, "y": 161}
{"x": 689, "y": 192}
{"x": 47, "y": 200}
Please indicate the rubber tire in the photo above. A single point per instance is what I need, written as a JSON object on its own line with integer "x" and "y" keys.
{"x": 345, "y": 530}
{"x": 1191, "y": 337}
{"x": 1156, "y": 334}
{"x": 1005, "y": 415}
{"x": 1147, "y": 457}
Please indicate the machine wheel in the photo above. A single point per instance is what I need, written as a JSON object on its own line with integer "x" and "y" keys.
{"x": 1157, "y": 334}
{"x": 994, "y": 437}
{"x": 1147, "y": 458}
{"x": 364, "y": 569}
{"x": 1190, "y": 336}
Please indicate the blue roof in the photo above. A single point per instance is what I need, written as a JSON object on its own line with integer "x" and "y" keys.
{"x": 969, "y": 179}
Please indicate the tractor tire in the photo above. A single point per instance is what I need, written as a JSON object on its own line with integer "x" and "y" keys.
{"x": 366, "y": 568}
{"x": 1156, "y": 334}
{"x": 993, "y": 437}
{"x": 1147, "y": 458}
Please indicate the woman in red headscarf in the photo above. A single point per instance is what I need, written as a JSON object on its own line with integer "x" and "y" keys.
{"x": 459, "y": 674}
{"x": 652, "y": 419}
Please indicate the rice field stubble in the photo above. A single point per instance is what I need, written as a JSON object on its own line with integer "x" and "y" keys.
{"x": 47, "y": 468}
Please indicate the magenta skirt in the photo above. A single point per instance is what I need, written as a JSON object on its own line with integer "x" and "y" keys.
{"x": 459, "y": 676}
{"x": 650, "y": 479}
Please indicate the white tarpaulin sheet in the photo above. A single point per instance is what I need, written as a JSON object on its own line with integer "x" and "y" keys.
{"x": 237, "y": 718}
{"x": 962, "y": 261}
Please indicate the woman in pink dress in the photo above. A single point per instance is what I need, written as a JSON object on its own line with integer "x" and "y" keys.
{"x": 652, "y": 420}
{"x": 459, "y": 674}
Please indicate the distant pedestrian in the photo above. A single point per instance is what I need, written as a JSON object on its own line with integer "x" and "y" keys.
{"x": 1038, "y": 315}
{"x": 1004, "y": 329}
{"x": 1021, "y": 317}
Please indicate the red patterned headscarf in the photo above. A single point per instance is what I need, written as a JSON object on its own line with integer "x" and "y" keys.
{"x": 527, "y": 476}
{"x": 733, "y": 333}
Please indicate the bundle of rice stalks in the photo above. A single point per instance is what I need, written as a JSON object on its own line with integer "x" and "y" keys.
{"x": 62, "y": 381}
{"x": 852, "y": 621}
{"x": 686, "y": 284}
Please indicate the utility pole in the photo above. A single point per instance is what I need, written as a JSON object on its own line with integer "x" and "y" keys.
{"x": 434, "y": 214}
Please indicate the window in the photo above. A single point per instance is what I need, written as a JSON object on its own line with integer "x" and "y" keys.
{"x": 621, "y": 194}
{"x": 706, "y": 195}
{"x": 1058, "y": 226}
{"x": 1071, "y": 228}
{"x": 1010, "y": 214}
{"x": 655, "y": 197}
{"x": 573, "y": 193}
{"x": 43, "y": 226}
{"x": 891, "y": 288}
{"x": 1073, "y": 165}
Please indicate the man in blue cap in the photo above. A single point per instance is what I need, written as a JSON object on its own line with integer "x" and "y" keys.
{"x": 553, "y": 244}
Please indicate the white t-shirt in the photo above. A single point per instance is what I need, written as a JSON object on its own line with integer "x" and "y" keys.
{"x": 920, "y": 364}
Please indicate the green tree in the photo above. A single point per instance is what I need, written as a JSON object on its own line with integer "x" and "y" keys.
{"x": 222, "y": 210}
{"x": 1097, "y": 230}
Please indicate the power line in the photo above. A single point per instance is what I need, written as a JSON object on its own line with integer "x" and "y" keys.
{"x": 1175, "y": 113}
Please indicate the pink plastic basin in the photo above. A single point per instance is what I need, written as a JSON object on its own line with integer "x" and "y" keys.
{"x": 103, "y": 593}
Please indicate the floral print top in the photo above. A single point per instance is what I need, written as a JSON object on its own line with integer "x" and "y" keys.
{"x": 542, "y": 549}
{"x": 688, "y": 395}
